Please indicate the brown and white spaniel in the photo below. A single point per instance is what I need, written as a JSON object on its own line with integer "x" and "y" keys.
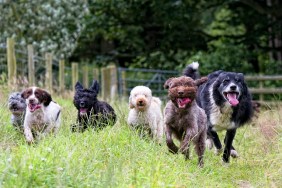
{"x": 42, "y": 114}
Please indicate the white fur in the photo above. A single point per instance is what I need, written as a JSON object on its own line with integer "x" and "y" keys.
{"x": 220, "y": 116}
{"x": 46, "y": 119}
{"x": 151, "y": 116}
{"x": 195, "y": 65}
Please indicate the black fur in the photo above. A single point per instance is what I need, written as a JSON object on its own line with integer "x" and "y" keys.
{"x": 216, "y": 103}
{"x": 91, "y": 112}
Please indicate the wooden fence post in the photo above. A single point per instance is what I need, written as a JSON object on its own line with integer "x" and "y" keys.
{"x": 85, "y": 78}
{"x": 114, "y": 83}
{"x": 61, "y": 76}
{"x": 96, "y": 74}
{"x": 109, "y": 82}
{"x": 123, "y": 77}
{"x": 31, "y": 70}
{"x": 105, "y": 83}
{"x": 11, "y": 60}
{"x": 74, "y": 71}
{"x": 48, "y": 75}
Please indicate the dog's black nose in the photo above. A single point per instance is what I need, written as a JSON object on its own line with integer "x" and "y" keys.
{"x": 82, "y": 104}
{"x": 180, "y": 92}
{"x": 31, "y": 101}
{"x": 140, "y": 102}
{"x": 233, "y": 87}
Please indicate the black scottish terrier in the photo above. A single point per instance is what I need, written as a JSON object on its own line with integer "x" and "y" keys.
{"x": 91, "y": 112}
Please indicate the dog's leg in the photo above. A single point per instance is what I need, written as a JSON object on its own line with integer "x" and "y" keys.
{"x": 200, "y": 148}
{"x": 213, "y": 135}
{"x": 28, "y": 134}
{"x": 186, "y": 151}
{"x": 185, "y": 144}
{"x": 57, "y": 122}
{"x": 160, "y": 131}
{"x": 233, "y": 151}
{"x": 230, "y": 134}
{"x": 50, "y": 127}
{"x": 172, "y": 147}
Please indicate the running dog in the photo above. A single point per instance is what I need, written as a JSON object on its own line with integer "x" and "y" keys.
{"x": 43, "y": 115}
{"x": 228, "y": 104}
{"x": 184, "y": 118}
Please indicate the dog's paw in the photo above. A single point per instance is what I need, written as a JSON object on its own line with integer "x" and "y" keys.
{"x": 30, "y": 141}
{"x": 29, "y": 138}
{"x": 234, "y": 153}
{"x": 209, "y": 144}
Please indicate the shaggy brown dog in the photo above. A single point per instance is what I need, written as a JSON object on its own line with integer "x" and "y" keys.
{"x": 184, "y": 118}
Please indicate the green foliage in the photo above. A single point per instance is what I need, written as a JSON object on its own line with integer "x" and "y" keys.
{"x": 51, "y": 26}
{"x": 159, "y": 34}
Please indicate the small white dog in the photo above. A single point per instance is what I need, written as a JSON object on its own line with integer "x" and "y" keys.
{"x": 42, "y": 114}
{"x": 145, "y": 112}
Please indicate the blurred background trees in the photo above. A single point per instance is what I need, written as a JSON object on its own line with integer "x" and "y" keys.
{"x": 233, "y": 35}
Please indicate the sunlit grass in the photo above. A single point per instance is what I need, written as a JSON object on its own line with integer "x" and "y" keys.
{"x": 117, "y": 157}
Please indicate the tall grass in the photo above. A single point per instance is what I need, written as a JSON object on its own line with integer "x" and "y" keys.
{"x": 117, "y": 157}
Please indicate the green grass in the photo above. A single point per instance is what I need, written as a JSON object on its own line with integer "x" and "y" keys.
{"x": 117, "y": 157}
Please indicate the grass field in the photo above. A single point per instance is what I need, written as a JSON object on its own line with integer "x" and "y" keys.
{"x": 117, "y": 157}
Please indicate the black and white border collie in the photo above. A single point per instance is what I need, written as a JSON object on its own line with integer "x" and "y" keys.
{"x": 42, "y": 114}
{"x": 227, "y": 103}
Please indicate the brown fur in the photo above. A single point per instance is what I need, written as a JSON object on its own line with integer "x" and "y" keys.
{"x": 187, "y": 124}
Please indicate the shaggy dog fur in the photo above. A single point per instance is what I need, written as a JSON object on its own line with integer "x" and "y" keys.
{"x": 145, "y": 112}
{"x": 184, "y": 118}
{"x": 17, "y": 106}
{"x": 42, "y": 114}
{"x": 91, "y": 111}
{"x": 227, "y": 103}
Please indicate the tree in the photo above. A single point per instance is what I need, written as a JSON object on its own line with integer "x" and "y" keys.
{"x": 51, "y": 26}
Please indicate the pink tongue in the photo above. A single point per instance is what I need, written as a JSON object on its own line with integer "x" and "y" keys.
{"x": 183, "y": 101}
{"x": 34, "y": 107}
{"x": 83, "y": 110}
{"x": 232, "y": 99}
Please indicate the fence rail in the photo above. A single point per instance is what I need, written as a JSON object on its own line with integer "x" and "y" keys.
{"x": 263, "y": 90}
{"x": 56, "y": 76}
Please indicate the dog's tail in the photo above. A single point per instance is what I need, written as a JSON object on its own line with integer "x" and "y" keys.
{"x": 192, "y": 70}
{"x": 157, "y": 100}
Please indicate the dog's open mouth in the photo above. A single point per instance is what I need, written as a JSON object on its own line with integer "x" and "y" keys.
{"x": 141, "y": 107}
{"x": 182, "y": 102}
{"x": 232, "y": 97}
{"x": 83, "y": 111}
{"x": 33, "y": 107}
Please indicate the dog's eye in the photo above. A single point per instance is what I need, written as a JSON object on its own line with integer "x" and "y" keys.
{"x": 225, "y": 81}
{"x": 237, "y": 80}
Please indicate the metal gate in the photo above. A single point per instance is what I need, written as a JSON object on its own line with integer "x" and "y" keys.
{"x": 152, "y": 78}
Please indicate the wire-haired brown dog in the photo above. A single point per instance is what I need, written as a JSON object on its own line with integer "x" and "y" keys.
{"x": 184, "y": 118}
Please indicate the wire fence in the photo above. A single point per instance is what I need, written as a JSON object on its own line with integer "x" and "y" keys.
{"x": 113, "y": 80}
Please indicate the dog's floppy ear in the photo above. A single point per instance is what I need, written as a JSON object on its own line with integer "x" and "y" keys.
{"x": 167, "y": 83}
{"x": 200, "y": 81}
{"x": 95, "y": 86}
{"x": 44, "y": 97}
{"x": 78, "y": 86}
{"x": 47, "y": 98}
{"x": 130, "y": 103}
{"x": 241, "y": 76}
{"x": 26, "y": 93}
